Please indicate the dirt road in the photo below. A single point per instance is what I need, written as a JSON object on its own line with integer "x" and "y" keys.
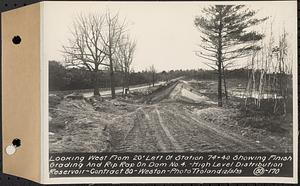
{"x": 168, "y": 128}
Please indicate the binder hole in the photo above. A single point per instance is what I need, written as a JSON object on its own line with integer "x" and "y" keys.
{"x": 5, "y": 4}
{"x": 16, "y": 40}
{"x": 16, "y": 142}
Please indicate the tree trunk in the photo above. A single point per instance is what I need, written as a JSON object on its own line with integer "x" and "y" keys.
{"x": 219, "y": 61}
{"x": 225, "y": 88}
{"x": 153, "y": 79}
{"x": 96, "y": 83}
{"x": 112, "y": 78}
{"x": 220, "y": 103}
{"x": 225, "y": 85}
{"x": 123, "y": 82}
{"x": 127, "y": 80}
{"x": 248, "y": 91}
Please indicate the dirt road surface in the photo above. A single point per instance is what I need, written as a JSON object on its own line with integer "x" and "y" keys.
{"x": 169, "y": 128}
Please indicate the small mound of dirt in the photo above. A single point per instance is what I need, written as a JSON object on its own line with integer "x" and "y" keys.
{"x": 75, "y": 96}
{"x": 75, "y": 126}
{"x": 216, "y": 114}
{"x": 114, "y": 107}
{"x": 251, "y": 125}
{"x": 54, "y": 100}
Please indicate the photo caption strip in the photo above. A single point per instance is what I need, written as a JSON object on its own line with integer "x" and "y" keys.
{"x": 170, "y": 164}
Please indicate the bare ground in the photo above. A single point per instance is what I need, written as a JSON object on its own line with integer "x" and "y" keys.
{"x": 180, "y": 117}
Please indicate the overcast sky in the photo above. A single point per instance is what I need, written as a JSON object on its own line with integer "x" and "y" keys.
{"x": 165, "y": 32}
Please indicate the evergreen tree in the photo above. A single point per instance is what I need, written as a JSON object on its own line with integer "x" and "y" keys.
{"x": 225, "y": 36}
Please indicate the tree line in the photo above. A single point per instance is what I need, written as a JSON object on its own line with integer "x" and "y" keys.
{"x": 63, "y": 78}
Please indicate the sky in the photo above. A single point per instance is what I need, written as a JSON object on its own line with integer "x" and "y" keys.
{"x": 165, "y": 32}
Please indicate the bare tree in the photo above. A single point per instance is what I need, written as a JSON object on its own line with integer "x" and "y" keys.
{"x": 85, "y": 49}
{"x": 94, "y": 42}
{"x": 282, "y": 54}
{"x": 110, "y": 37}
{"x": 124, "y": 58}
{"x": 153, "y": 74}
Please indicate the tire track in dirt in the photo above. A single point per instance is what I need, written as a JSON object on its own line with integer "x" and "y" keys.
{"x": 126, "y": 115}
{"x": 146, "y": 135}
{"x": 237, "y": 138}
{"x": 130, "y": 142}
{"x": 190, "y": 136}
{"x": 228, "y": 142}
{"x": 232, "y": 136}
{"x": 165, "y": 128}
{"x": 175, "y": 144}
{"x": 161, "y": 145}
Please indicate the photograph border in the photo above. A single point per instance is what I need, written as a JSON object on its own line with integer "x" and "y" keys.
{"x": 45, "y": 131}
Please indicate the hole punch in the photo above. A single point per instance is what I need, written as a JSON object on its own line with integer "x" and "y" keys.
{"x": 16, "y": 40}
{"x": 16, "y": 142}
{"x": 11, "y": 149}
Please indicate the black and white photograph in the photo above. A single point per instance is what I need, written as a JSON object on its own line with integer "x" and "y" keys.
{"x": 177, "y": 77}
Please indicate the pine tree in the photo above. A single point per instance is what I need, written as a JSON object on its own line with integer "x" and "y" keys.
{"x": 225, "y": 36}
